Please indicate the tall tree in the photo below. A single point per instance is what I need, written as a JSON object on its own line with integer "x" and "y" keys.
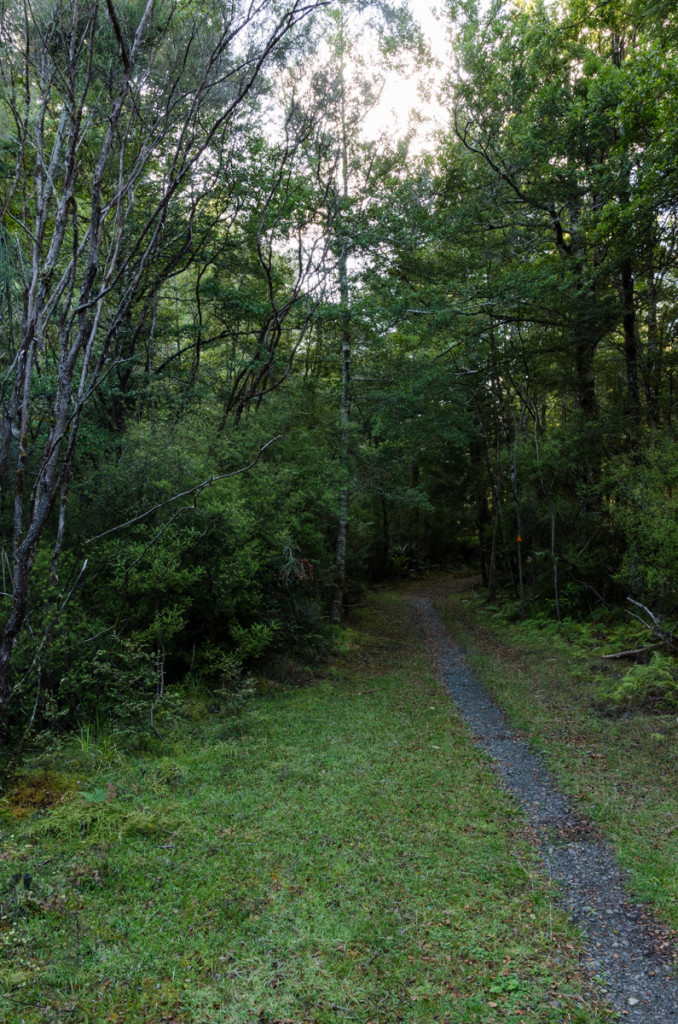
{"x": 346, "y": 86}
{"x": 113, "y": 112}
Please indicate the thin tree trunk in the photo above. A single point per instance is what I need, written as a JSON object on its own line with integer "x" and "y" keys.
{"x": 554, "y": 560}
{"x": 630, "y": 341}
{"x": 654, "y": 352}
{"x": 482, "y": 519}
{"x": 586, "y": 378}
{"x": 519, "y": 534}
{"x": 345, "y": 409}
{"x": 345, "y": 415}
{"x": 492, "y": 579}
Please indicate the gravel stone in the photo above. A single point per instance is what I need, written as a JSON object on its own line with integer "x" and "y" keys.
{"x": 626, "y": 949}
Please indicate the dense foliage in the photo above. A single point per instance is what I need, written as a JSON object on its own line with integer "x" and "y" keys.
{"x": 205, "y": 265}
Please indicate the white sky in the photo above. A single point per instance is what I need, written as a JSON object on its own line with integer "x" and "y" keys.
{"x": 401, "y": 95}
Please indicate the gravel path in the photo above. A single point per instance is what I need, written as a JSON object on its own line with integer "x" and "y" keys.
{"x": 622, "y": 940}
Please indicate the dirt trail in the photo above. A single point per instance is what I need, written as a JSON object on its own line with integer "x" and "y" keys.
{"x": 621, "y": 936}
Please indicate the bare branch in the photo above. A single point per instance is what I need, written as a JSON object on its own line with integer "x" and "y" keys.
{"x": 655, "y": 625}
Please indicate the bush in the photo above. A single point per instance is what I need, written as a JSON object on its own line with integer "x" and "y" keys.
{"x": 653, "y": 686}
{"x": 644, "y": 508}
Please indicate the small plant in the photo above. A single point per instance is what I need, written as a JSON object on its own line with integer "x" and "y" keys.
{"x": 97, "y": 745}
{"x": 117, "y": 688}
{"x": 86, "y": 740}
{"x": 108, "y": 751}
{"x": 405, "y": 559}
{"x": 653, "y": 686}
{"x": 253, "y": 641}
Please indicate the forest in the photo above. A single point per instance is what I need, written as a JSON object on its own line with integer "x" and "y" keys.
{"x": 257, "y": 356}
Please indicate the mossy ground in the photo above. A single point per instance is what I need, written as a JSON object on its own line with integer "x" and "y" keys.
{"x": 340, "y": 852}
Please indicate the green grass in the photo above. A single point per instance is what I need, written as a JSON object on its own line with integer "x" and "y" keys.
{"x": 338, "y": 853}
{"x": 620, "y": 767}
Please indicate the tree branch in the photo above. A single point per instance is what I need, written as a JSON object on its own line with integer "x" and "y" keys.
{"x": 185, "y": 494}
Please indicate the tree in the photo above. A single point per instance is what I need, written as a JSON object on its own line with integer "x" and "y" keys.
{"x": 345, "y": 86}
{"x": 117, "y": 122}
{"x": 557, "y": 232}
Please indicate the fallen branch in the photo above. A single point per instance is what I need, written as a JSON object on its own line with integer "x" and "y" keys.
{"x": 633, "y": 653}
{"x": 655, "y": 625}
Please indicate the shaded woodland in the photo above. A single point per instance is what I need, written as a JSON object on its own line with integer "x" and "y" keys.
{"x": 253, "y": 360}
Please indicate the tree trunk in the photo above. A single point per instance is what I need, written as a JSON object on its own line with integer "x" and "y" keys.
{"x": 345, "y": 408}
{"x": 630, "y": 341}
{"x": 586, "y": 379}
{"x": 654, "y": 352}
{"x": 519, "y": 527}
{"x": 345, "y": 414}
{"x": 482, "y": 521}
{"x": 554, "y": 561}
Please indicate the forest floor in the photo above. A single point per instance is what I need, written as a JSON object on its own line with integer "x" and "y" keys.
{"x": 341, "y": 851}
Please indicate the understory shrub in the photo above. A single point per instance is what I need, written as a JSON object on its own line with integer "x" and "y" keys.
{"x": 157, "y": 593}
{"x": 644, "y": 508}
{"x": 653, "y": 686}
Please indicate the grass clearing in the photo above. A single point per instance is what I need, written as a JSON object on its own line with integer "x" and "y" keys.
{"x": 621, "y": 768}
{"x": 338, "y": 853}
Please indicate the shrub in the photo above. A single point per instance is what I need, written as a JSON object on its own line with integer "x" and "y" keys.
{"x": 653, "y": 686}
